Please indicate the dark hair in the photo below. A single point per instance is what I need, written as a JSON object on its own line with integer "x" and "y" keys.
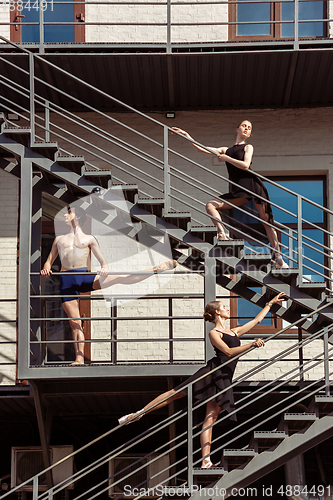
{"x": 245, "y": 120}
{"x": 211, "y": 307}
{"x": 80, "y": 214}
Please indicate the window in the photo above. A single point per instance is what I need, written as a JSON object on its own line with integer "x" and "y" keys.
{"x": 261, "y": 19}
{"x": 69, "y": 11}
{"x": 314, "y": 189}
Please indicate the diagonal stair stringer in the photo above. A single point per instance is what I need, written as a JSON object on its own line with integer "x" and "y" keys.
{"x": 269, "y": 460}
{"x": 233, "y": 263}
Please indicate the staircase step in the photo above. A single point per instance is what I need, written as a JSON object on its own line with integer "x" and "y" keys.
{"x": 216, "y": 471}
{"x": 229, "y": 247}
{"x": 101, "y": 177}
{"x": 73, "y": 163}
{"x": 152, "y": 205}
{"x": 18, "y": 134}
{"x": 129, "y": 191}
{"x": 264, "y": 440}
{"x": 47, "y": 149}
{"x": 179, "y": 219}
{"x": 233, "y": 458}
{"x": 315, "y": 289}
{"x": 321, "y": 405}
{"x": 286, "y": 275}
{"x": 205, "y": 233}
{"x": 298, "y": 421}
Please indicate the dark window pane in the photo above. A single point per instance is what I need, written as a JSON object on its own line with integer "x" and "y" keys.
{"x": 251, "y": 13}
{"x": 307, "y": 10}
{"x": 311, "y": 189}
{"x": 53, "y": 13}
{"x": 247, "y": 311}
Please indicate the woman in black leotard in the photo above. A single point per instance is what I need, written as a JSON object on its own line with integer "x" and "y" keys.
{"x": 226, "y": 344}
{"x": 238, "y": 159}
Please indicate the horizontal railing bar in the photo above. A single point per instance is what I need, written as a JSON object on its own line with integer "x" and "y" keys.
{"x": 226, "y": 224}
{"x": 107, "y": 318}
{"x": 109, "y": 432}
{"x": 104, "y": 152}
{"x": 81, "y": 122}
{"x": 239, "y": 208}
{"x": 119, "y": 341}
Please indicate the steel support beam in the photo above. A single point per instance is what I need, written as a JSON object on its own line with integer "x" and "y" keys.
{"x": 44, "y": 426}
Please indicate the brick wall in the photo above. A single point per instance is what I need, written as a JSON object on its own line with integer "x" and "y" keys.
{"x": 8, "y": 275}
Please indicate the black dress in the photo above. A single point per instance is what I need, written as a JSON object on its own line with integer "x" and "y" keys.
{"x": 217, "y": 381}
{"x": 248, "y": 180}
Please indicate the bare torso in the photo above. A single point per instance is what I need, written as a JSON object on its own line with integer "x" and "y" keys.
{"x": 74, "y": 251}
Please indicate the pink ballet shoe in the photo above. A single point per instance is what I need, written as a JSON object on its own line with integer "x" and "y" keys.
{"x": 128, "y": 419}
{"x": 280, "y": 263}
{"x": 208, "y": 465}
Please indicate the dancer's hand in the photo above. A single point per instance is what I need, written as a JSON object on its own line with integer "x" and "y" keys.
{"x": 278, "y": 299}
{"x": 181, "y": 131}
{"x": 222, "y": 158}
{"x": 104, "y": 271}
{"x": 46, "y": 272}
{"x": 258, "y": 343}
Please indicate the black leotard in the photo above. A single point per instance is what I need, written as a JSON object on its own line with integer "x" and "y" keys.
{"x": 218, "y": 380}
{"x": 246, "y": 179}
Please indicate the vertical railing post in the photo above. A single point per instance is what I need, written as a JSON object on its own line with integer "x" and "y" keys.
{"x": 32, "y": 96}
{"x": 326, "y": 365}
{"x": 168, "y": 48}
{"x": 166, "y": 171}
{"x": 299, "y": 239}
{"x": 290, "y": 247}
{"x": 209, "y": 296}
{"x": 47, "y": 121}
{"x": 296, "y": 41}
{"x": 300, "y": 355}
{"x": 190, "y": 437}
{"x": 24, "y": 268}
{"x": 35, "y": 488}
{"x": 41, "y": 27}
{"x": 170, "y": 314}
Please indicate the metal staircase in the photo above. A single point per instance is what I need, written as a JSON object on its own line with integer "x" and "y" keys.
{"x": 43, "y": 166}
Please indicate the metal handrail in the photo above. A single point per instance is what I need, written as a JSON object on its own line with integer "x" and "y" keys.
{"x": 300, "y": 238}
{"x": 168, "y": 22}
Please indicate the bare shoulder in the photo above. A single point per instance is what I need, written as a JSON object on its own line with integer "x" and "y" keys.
{"x": 249, "y": 148}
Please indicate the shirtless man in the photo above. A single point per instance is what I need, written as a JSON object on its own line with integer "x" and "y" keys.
{"x": 75, "y": 250}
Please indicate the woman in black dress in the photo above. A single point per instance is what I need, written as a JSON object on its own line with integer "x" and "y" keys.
{"x": 226, "y": 344}
{"x": 238, "y": 159}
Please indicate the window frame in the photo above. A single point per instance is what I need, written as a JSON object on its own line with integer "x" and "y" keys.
{"x": 277, "y": 323}
{"x": 275, "y": 27}
{"x": 79, "y": 26}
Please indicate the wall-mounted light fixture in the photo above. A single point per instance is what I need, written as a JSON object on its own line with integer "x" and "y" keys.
{"x": 170, "y": 114}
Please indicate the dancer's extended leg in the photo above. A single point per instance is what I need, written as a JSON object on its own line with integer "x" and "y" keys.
{"x": 272, "y": 237}
{"x": 167, "y": 396}
{"x": 130, "y": 279}
{"x": 214, "y": 206}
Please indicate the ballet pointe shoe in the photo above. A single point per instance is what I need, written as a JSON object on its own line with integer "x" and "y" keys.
{"x": 208, "y": 464}
{"x": 279, "y": 262}
{"x": 221, "y": 236}
{"x": 128, "y": 419}
{"x": 165, "y": 266}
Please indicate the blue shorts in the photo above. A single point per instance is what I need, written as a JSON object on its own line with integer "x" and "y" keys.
{"x": 74, "y": 284}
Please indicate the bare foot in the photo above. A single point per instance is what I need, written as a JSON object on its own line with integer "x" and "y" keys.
{"x": 280, "y": 263}
{"x": 165, "y": 266}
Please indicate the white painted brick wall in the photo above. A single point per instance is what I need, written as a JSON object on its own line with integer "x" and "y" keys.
{"x": 156, "y": 14}
{"x": 4, "y": 18}
{"x": 8, "y": 275}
